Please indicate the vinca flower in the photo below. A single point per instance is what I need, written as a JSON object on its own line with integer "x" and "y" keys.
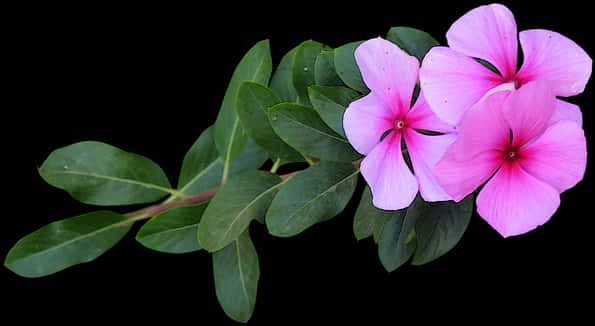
{"x": 453, "y": 81}
{"x": 510, "y": 137}
{"x": 391, "y": 75}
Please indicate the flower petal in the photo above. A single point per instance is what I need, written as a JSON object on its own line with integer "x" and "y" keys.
{"x": 566, "y": 111}
{"x": 558, "y": 157}
{"x": 490, "y": 33}
{"x": 388, "y": 71}
{"x": 528, "y": 110}
{"x": 365, "y": 120}
{"x": 393, "y": 185}
{"x": 425, "y": 151}
{"x": 551, "y": 56}
{"x": 460, "y": 178}
{"x": 453, "y": 82}
{"x": 483, "y": 128}
{"x": 514, "y": 202}
{"x": 422, "y": 117}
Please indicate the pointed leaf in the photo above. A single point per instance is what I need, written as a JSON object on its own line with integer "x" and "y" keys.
{"x": 411, "y": 40}
{"x": 173, "y": 231}
{"x": 311, "y": 196}
{"x": 67, "y": 242}
{"x": 242, "y": 199}
{"x": 439, "y": 227}
{"x": 325, "y": 72}
{"x": 330, "y": 103}
{"x": 202, "y": 168}
{"x": 369, "y": 220}
{"x": 256, "y": 65}
{"x": 236, "y": 272}
{"x": 302, "y": 128}
{"x": 347, "y": 68}
{"x": 100, "y": 174}
{"x": 282, "y": 82}
{"x": 303, "y": 74}
{"x": 253, "y": 103}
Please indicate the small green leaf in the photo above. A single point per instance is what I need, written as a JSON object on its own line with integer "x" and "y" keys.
{"x": 303, "y": 74}
{"x": 100, "y": 174}
{"x": 394, "y": 244}
{"x": 202, "y": 168}
{"x": 369, "y": 220}
{"x": 311, "y": 196}
{"x": 439, "y": 227}
{"x": 67, "y": 242}
{"x": 236, "y": 273}
{"x": 330, "y": 103}
{"x": 325, "y": 72}
{"x": 302, "y": 128}
{"x": 253, "y": 103}
{"x": 256, "y": 65}
{"x": 173, "y": 231}
{"x": 282, "y": 82}
{"x": 242, "y": 199}
{"x": 347, "y": 68}
{"x": 413, "y": 41}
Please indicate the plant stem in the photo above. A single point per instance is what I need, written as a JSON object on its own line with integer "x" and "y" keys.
{"x": 276, "y": 166}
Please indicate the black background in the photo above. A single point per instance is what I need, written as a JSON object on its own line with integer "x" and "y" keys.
{"x": 149, "y": 78}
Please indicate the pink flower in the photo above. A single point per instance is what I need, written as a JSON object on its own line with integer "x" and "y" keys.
{"x": 391, "y": 76}
{"x": 453, "y": 81}
{"x": 510, "y": 135}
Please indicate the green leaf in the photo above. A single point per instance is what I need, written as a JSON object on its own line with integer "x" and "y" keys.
{"x": 302, "y": 128}
{"x": 236, "y": 272}
{"x": 311, "y": 196}
{"x": 439, "y": 227}
{"x": 325, "y": 72}
{"x": 173, "y": 231}
{"x": 282, "y": 82}
{"x": 253, "y": 103}
{"x": 303, "y": 74}
{"x": 202, "y": 168}
{"x": 100, "y": 174}
{"x": 369, "y": 220}
{"x": 347, "y": 68}
{"x": 256, "y": 65}
{"x": 242, "y": 199}
{"x": 413, "y": 41}
{"x": 67, "y": 242}
{"x": 330, "y": 103}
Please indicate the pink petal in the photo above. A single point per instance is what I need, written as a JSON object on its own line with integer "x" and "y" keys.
{"x": 365, "y": 120}
{"x": 566, "y": 111}
{"x": 453, "y": 82}
{"x": 460, "y": 178}
{"x": 487, "y": 32}
{"x": 528, "y": 110}
{"x": 483, "y": 128}
{"x": 425, "y": 151}
{"x": 514, "y": 202}
{"x": 558, "y": 157}
{"x": 422, "y": 117}
{"x": 388, "y": 72}
{"x": 384, "y": 169}
{"x": 554, "y": 57}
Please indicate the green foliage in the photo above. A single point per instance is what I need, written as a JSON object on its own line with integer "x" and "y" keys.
{"x": 253, "y": 103}
{"x": 230, "y": 139}
{"x": 314, "y": 195}
{"x": 325, "y": 73}
{"x": 236, "y": 273}
{"x": 303, "y": 74}
{"x": 282, "y": 81}
{"x": 369, "y": 220}
{"x": 67, "y": 242}
{"x": 347, "y": 68}
{"x": 100, "y": 174}
{"x": 413, "y": 41}
{"x": 242, "y": 199}
{"x": 302, "y": 128}
{"x": 330, "y": 103}
{"x": 173, "y": 231}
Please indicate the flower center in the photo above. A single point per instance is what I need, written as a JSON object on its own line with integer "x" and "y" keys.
{"x": 399, "y": 124}
{"x": 512, "y": 155}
